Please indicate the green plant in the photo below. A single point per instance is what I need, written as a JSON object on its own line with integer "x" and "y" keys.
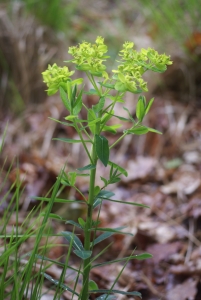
{"x": 170, "y": 17}
{"x": 109, "y": 90}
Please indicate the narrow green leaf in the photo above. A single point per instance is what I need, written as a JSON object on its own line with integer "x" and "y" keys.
{"x": 91, "y": 92}
{"x": 102, "y": 149}
{"x": 106, "y": 117}
{"x": 131, "y": 118}
{"x": 111, "y": 230}
{"x": 70, "y": 118}
{"x": 81, "y": 222}
{"x": 117, "y": 292}
{"x": 72, "y": 141}
{"x": 55, "y": 262}
{"x": 120, "y": 169}
{"x": 112, "y": 128}
{"x": 154, "y": 130}
{"x": 140, "y": 108}
{"x": 138, "y": 257}
{"x": 116, "y": 98}
{"x": 93, "y": 285}
{"x": 121, "y": 118}
{"x": 128, "y": 203}
{"x": 53, "y": 216}
{"x": 97, "y": 202}
{"x": 72, "y": 178}
{"x": 83, "y": 254}
{"x": 56, "y": 282}
{"x": 105, "y": 194}
{"x": 58, "y": 200}
{"x": 64, "y": 99}
{"x": 77, "y": 244}
{"x": 74, "y": 224}
{"x": 149, "y": 106}
{"x": 138, "y": 130}
{"x": 107, "y": 85}
{"x": 91, "y": 116}
{"x": 115, "y": 180}
{"x": 99, "y": 106}
{"x": 104, "y": 180}
{"x": 78, "y": 104}
{"x": 104, "y": 236}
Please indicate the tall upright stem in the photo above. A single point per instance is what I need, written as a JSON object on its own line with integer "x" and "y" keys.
{"x": 88, "y": 225}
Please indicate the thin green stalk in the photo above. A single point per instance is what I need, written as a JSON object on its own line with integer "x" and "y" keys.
{"x": 83, "y": 142}
{"x": 117, "y": 141}
{"x": 87, "y": 232}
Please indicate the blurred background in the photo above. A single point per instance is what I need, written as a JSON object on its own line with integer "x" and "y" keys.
{"x": 164, "y": 171}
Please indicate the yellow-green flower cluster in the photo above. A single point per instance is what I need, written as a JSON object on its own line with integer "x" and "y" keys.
{"x": 55, "y": 77}
{"x": 134, "y": 64}
{"x": 90, "y": 57}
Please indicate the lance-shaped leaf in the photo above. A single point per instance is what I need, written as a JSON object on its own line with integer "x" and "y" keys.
{"x": 140, "y": 108}
{"x": 154, "y": 130}
{"x": 78, "y": 104}
{"x": 91, "y": 116}
{"x": 99, "y": 106}
{"x": 91, "y": 92}
{"x": 149, "y": 106}
{"x": 100, "y": 196}
{"x": 107, "y": 85}
{"x": 102, "y": 149}
{"x": 138, "y": 130}
{"x": 138, "y": 257}
{"x": 116, "y": 292}
{"x": 83, "y": 254}
{"x": 104, "y": 236}
{"x": 111, "y": 230}
{"x": 74, "y": 224}
{"x": 76, "y": 243}
{"x": 88, "y": 167}
{"x": 71, "y": 141}
{"x": 64, "y": 98}
{"x": 56, "y": 282}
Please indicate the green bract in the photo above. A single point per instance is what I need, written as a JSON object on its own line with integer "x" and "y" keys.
{"x": 56, "y": 77}
{"x": 90, "y": 57}
{"x": 134, "y": 64}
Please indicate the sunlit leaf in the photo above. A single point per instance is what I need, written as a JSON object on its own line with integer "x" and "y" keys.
{"x": 149, "y": 106}
{"x": 138, "y": 130}
{"x": 140, "y": 108}
{"x": 64, "y": 99}
{"x": 154, "y": 130}
{"x": 99, "y": 106}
